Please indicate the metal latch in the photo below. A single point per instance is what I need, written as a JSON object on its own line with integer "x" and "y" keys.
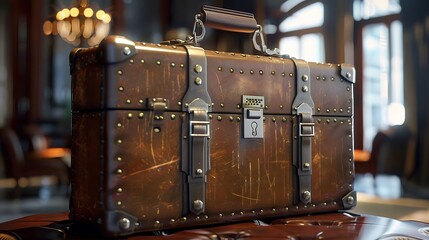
{"x": 253, "y": 116}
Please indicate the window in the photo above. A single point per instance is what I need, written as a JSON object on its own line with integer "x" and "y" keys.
{"x": 382, "y": 67}
{"x": 302, "y": 35}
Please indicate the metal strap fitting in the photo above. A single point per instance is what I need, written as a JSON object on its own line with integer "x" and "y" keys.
{"x": 196, "y": 145}
{"x": 303, "y": 107}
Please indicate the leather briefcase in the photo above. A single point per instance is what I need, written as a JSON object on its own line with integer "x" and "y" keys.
{"x": 172, "y": 135}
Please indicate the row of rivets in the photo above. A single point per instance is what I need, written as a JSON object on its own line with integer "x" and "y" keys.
{"x": 261, "y": 72}
{"x": 261, "y": 211}
{"x": 329, "y": 121}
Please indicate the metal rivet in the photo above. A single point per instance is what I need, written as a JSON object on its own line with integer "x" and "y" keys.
{"x": 231, "y": 118}
{"x": 198, "y": 68}
{"x": 332, "y": 79}
{"x": 238, "y": 119}
{"x": 141, "y": 115}
{"x": 172, "y": 220}
{"x": 119, "y": 125}
{"x": 348, "y": 75}
{"x": 186, "y": 105}
{"x": 281, "y": 106}
{"x": 304, "y": 78}
{"x": 172, "y": 64}
{"x": 327, "y": 110}
{"x": 238, "y": 106}
{"x": 198, "y": 81}
{"x": 119, "y": 171}
{"x": 182, "y": 65}
{"x": 157, "y": 222}
{"x": 128, "y": 101}
{"x": 306, "y": 195}
{"x": 179, "y": 103}
{"x": 323, "y": 78}
{"x": 319, "y": 120}
{"x": 118, "y": 158}
{"x": 283, "y": 74}
{"x": 252, "y": 72}
{"x": 261, "y": 72}
{"x": 241, "y": 71}
{"x": 119, "y": 190}
{"x": 124, "y": 223}
{"x": 290, "y": 74}
{"x": 141, "y": 61}
{"x": 305, "y": 88}
{"x": 173, "y": 116}
{"x": 174, "y": 47}
{"x": 348, "y": 88}
{"x": 318, "y": 78}
{"x": 119, "y": 141}
{"x": 158, "y": 45}
{"x": 141, "y": 101}
{"x": 198, "y": 204}
{"x": 273, "y": 73}
{"x": 350, "y": 172}
{"x": 219, "y": 69}
{"x": 266, "y": 107}
{"x": 335, "y": 120}
{"x": 119, "y": 72}
{"x": 158, "y": 62}
{"x": 273, "y": 209}
{"x": 306, "y": 165}
{"x": 156, "y": 129}
{"x": 129, "y": 115}
{"x": 284, "y": 119}
{"x": 210, "y": 116}
{"x": 121, "y": 89}
{"x": 328, "y": 121}
{"x": 222, "y": 105}
{"x": 335, "y": 110}
{"x": 318, "y": 109}
{"x": 324, "y": 204}
{"x": 286, "y": 208}
{"x": 127, "y": 51}
{"x": 184, "y": 219}
{"x": 219, "y": 118}
{"x": 131, "y": 61}
{"x": 274, "y": 119}
{"x": 231, "y": 70}
{"x": 199, "y": 171}
{"x": 253, "y": 212}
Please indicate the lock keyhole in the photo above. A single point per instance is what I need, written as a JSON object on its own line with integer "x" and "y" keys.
{"x": 254, "y": 126}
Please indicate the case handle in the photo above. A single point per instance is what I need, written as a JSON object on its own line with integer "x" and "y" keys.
{"x": 233, "y": 21}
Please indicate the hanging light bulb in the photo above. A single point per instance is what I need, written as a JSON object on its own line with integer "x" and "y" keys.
{"x": 79, "y": 24}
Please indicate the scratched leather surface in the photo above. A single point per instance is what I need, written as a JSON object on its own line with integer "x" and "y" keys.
{"x": 113, "y": 129}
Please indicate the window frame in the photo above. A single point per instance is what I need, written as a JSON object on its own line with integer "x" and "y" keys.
{"x": 359, "y": 58}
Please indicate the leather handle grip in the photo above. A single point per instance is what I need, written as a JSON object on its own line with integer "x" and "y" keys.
{"x": 228, "y": 20}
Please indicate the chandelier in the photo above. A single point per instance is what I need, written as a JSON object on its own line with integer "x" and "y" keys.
{"x": 79, "y": 25}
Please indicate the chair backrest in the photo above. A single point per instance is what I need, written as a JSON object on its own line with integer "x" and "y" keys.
{"x": 12, "y": 152}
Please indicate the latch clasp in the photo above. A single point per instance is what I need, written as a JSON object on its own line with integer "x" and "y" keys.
{"x": 253, "y": 116}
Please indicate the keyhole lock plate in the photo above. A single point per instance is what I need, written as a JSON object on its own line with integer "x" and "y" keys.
{"x": 253, "y": 114}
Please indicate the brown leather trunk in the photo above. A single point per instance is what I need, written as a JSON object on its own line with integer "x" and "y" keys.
{"x": 168, "y": 136}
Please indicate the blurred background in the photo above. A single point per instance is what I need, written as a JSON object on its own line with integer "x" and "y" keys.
{"x": 386, "y": 40}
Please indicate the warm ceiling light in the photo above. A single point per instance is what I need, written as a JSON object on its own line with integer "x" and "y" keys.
{"x": 74, "y": 12}
{"x": 79, "y": 24}
{"x": 88, "y": 12}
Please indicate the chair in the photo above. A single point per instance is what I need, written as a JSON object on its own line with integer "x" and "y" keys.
{"x": 19, "y": 164}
